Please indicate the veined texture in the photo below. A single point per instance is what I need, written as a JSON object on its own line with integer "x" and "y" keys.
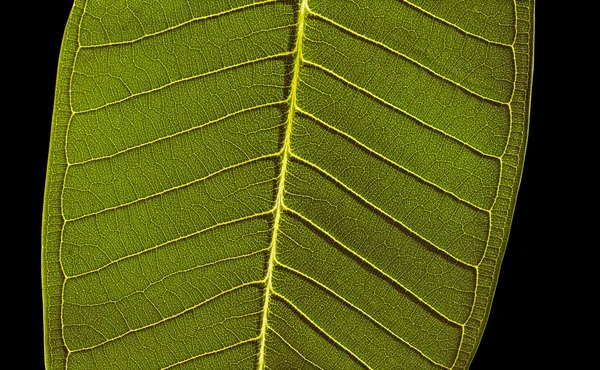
{"x": 282, "y": 184}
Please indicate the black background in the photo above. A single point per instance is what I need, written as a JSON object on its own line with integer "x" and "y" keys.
{"x": 521, "y": 333}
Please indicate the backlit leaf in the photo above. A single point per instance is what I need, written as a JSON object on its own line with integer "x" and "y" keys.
{"x": 282, "y": 184}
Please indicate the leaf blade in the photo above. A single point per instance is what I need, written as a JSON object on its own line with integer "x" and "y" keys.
{"x": 127, "y": 196}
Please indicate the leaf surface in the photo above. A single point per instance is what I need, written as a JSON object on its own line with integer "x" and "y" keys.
{"x": 282, "y": 184}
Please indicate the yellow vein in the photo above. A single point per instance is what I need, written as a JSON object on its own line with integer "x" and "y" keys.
{"x": 240, "y": 343}
{"x": 169, "y": 317}
{"x": 379, "y": 210}
{"x": 387, "y": 160}
{"x": 192, "y": 20}
{"x": 516, "y": 24}
{"x": 229, "y": 115}
{"x": 294, "y": 349}
{"x": 404, "y": 56}
{"x": 514, "y": 89}
{"x": 319, "y": 329}
{"x": 226, "y": 68}
{"x": 497, "y": 196}
{"x": 487, "y": 244}
{"x": 174, "y": 241}
{"x": 442, "y": 20}
{"x": 516, "y": 179}
{"x": 187, "y": 184}
{"x": 385, "y": 102}
{"x": 372, "y": 265}
{"x": 460, "y": 344}
{"x": 266, "y": 30}
{"x": 64, "y": 179}
{"x": 212, "y": 325}
{"x": 286, "y": 152}
{"x": 369, "y": 317}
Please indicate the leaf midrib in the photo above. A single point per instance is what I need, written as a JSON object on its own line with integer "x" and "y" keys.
{"x": 286, "y": 154}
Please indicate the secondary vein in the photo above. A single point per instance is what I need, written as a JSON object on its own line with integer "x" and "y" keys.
{"x": 285, "y": 153}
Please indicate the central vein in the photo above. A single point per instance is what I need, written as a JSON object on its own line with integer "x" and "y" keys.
{"x": 285, "y": 153}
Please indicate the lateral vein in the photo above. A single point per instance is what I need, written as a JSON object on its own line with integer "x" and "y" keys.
{"x": 187, "y": 184}
{"x": 178, "y": 133}
{"x": 373, "y": 266}
{"x": 381, "y": 211}
{"x": 356, "y": 308}
{"x": 294, "y": 349}
{"x": 406, "y": 57}
{"x": 462, "y": 30}
{"x": 221, "y": 224}
{"x": 386, "y": 103}
{"x": 320, "y": 329}
{"x": 250, "y": 283}
{"x": 226, "y": 68}
{"x": 387, "y": 160}
{"x": 240, "y": 343}
{"x": 195, "y": 19}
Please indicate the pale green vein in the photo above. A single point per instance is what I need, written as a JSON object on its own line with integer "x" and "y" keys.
{"x": 194, "y": 77}
{"x": 387, "y": 160}
{"x": 294, "y": 349}
{"x": 261, "y": 31}
{"x": 369, "y": 317}
{"x": 199, "y": 267}
{"x": 229, "y": 115}
{"x": 212, "y": 325}
{"x": 372, "y": 265}
{"x": 442, "y": 20}
{"x": 319, "y": 329}
{"x": 62, "y": 191}
{"x": 385, "y": 102}
{"x": 487, "y": 244}
{"x": 286, "y": 153}
{"x": 171, "y": 189}
{"x": 462, "y": 338}
{"x": 406, "y": 57}
{"x": 192, "y": 20}
{"x": 240, "y": 343}
{"x": 217, "y": 225}
{"x": 379, "y": 210}
{"x": 241, "y": 286}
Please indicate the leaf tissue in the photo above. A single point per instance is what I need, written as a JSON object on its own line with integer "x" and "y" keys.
{"x": 239, "y": 184}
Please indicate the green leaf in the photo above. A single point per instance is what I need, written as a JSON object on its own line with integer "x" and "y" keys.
{"x": 282, "y": 184}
